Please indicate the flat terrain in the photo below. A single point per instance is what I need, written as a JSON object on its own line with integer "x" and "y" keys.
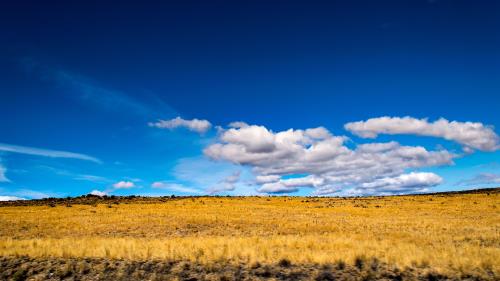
{"x": 455, "y": 236}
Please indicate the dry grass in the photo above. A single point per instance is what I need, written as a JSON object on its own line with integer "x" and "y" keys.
{"x": 458, "y": 232}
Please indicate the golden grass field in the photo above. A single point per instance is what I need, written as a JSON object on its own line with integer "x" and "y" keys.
{"x": 450, "y": 232}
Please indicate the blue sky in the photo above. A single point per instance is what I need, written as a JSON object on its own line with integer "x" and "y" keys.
{"x": 83, "y": 87}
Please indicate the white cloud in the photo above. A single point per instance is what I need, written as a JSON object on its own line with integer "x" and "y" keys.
{"x": 46, "y": 152}
{"x": 291, "y": 185}
{"x": 98, "y": 193}
{"x": 266, "y": 179}
{"x": 471, "y": 135}
{"x": 11, "y": 198}
{"x": 405, "y": 182}
{"x": 195, "y": 125}
{"x": 174, "y": 187}
{"x": 481, "y": 179}
{"x": 252, "y": 138}
{"x": 277, "y": 187}
{"x": 326, "y": 163}
{"x": 237, "y": 124}
{"x": 123, "y": 185}
{"x": 227, "y": 184}
{"x": 201, "y": 172}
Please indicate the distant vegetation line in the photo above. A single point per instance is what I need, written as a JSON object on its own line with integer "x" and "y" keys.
{"x": 94, "y": 199}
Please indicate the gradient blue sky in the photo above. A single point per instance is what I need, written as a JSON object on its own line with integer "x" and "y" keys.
{"x": 86, "y": 78}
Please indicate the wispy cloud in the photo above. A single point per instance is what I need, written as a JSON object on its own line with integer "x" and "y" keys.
{"x": 226, "y": 184}
{"x": 481, "y": 179}
{"x": 91, "y": 178}
{"x": 46, "y": 152}
{"x": 75, "y": 176}
{"x": 91, "y": 92}
{"x": 174, "y": 187}
{"x": 33, "y": 194}
{"x": 201, "y": 171}
{"x": 3, "y": 177}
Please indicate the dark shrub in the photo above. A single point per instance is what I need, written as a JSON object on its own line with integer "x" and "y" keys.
{"x": 284, "y": 263}
{"x": 359, "y": 262}
{"x": 325, "y": 276}
{"x": 340, "y": 264}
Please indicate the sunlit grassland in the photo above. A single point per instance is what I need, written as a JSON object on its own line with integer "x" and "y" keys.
{"x": 448, "y": 232}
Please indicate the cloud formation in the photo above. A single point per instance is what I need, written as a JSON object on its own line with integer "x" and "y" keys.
{"x": 3, "y": 177}
{"x": 10, "y": 198}
{"x": 46, "y": 152}
{"x": 471, "y": 135}
{"x": 34, "y": 194}
{"x": 174, "y": 187}
{"x": 75, "y": 176}
{"x": 406, "y": 182}
{"x": 91, "y": 178}
{"x": 327, "y": 164}
{"x": 98, "y": 193}
{"x": 227, "y": 184}
{"x": 481, "y": 179}
{"x": 195, "y": 125}
{"x": 90, "y": 91}
{"x": 290, "y": 185}
{"x": 123, "y": 185}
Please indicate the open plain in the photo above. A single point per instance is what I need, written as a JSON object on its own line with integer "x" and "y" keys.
{"x": 430, "y": 237}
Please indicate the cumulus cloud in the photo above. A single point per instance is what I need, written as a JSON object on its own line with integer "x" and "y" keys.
{"x": 46, "y": 152}
{"x": 123, "y": 185}
{"x": 291, "y": 185}
{"x": 10, "y": 198}
{"x": 481, "y": 179}
{"x": 174, "y": 187}
{"x": 98, "y": 193}
{"x": 406, "y": 182}
{"x": 195, "y": 125}
{"x": 227, "y": 184}
{"x": 471, "y": 135}
{"x": 328, "y": 165}
{"x": 266, "y": 179}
